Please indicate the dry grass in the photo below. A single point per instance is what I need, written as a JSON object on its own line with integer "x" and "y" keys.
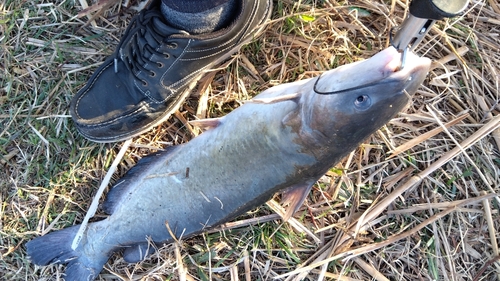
{"x": 406, "y": 205}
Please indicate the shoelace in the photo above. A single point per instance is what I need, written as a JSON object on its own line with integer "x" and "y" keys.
{"x": 140, "y": 29}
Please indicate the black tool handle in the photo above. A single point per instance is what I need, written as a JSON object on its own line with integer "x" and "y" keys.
{"x": 423, "y": 14}
{"x": 437, "y": 9}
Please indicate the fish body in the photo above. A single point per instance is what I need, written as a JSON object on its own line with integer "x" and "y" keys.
{"x": 284, "y": 139}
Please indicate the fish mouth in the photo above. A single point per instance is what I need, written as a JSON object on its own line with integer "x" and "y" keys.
{"x": 384, "y": 67}
{"x": 412, "y": 74}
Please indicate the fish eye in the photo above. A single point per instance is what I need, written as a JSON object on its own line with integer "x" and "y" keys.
{"x": 362, "y": 102}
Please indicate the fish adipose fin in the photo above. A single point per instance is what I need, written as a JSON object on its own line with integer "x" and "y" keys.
{"x": 124, "y": 185}
{"x": 55, "y": 247}
{"x": 294, "y": 196}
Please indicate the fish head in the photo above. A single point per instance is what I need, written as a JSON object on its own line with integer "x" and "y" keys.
{"x": 353, "y": 101}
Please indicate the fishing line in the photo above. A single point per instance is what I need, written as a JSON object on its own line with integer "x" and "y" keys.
{"x": 315, "y": 89}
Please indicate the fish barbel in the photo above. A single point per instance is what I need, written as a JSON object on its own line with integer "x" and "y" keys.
{"x": 283, "y": 140}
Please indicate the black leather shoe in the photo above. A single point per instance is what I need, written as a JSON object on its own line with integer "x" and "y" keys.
{"x": 153, "y": 71}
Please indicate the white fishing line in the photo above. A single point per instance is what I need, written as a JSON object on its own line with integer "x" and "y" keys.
{"x": 95, "y": 202}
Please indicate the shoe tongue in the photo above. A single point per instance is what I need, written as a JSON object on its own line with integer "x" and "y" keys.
{"x": 162, "y": 31}
{"x": 163, "y": 28}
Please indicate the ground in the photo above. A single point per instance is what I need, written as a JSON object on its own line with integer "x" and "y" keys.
{"x": 406, "y": 205}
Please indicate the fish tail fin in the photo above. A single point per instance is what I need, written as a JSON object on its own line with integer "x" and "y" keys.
{"x": 55, "y": 247}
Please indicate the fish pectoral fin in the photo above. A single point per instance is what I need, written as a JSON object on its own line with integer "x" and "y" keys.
{"x": 206, "y": 124}
{"x": 294, "y": 196}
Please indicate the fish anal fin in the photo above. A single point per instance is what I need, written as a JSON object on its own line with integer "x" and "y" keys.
{"x": 294, "y": 196}
{"x": 206, "y": 124}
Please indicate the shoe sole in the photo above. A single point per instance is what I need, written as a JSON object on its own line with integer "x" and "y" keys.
{"x": 176, "y": 104}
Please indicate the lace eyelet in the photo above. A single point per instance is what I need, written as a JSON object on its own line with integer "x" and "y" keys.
{"x": 160, "y": 65}
{"x": 152, "y": 73}
{"x": 174, "y": 45}
{"x": 144, "y": 83}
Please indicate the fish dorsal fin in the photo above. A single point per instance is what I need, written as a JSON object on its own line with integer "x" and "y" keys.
{"x": 206, "y": 124}
{"x": 294, "y": 196}
{"x": 271, "y": 100}
{"x": 126, "y": 183}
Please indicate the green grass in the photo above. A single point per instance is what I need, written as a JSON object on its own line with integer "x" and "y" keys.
{"x": 49, "y": 173}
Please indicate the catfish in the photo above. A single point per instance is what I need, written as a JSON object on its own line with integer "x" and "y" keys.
{"x": 283, "y": 140}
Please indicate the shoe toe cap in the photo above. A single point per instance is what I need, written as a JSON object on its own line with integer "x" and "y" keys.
{"x": 107, "y": 109}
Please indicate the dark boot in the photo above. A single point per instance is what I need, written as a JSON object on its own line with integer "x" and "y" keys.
{"x": 153, "y": 71}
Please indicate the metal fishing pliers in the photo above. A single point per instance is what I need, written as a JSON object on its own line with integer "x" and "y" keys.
{"x": 423, "y": 14}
